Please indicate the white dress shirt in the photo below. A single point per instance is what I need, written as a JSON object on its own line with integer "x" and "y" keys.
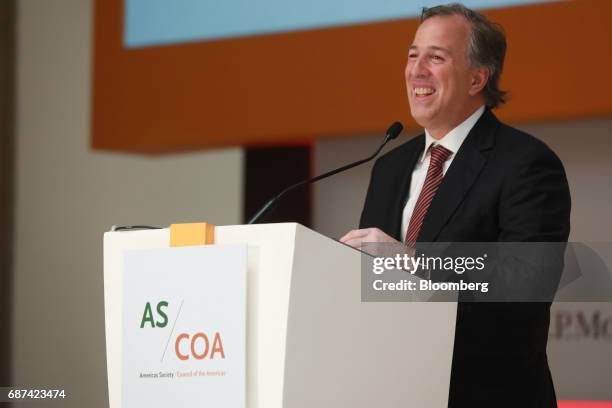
{"x": 452, "y": 141}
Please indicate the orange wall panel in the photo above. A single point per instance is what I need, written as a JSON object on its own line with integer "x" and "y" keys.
{"x": 292, "y": 87}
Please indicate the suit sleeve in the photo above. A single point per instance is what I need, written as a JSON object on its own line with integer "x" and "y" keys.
{"x": 534, "y": 223}
{"x": 535, "y": 200}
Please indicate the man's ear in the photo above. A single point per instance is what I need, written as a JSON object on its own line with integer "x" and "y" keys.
{"x": 480, "y": 76}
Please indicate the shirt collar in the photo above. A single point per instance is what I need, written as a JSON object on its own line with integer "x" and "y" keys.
{"x": 453, "y": 139}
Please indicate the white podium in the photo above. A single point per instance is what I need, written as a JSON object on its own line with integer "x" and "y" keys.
{"x": 310, "y": 340}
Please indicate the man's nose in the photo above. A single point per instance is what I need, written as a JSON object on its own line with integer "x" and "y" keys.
{"x": 418, "y": 68}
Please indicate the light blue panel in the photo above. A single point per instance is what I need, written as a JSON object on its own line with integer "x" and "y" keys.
{"x": 157, "y": 22}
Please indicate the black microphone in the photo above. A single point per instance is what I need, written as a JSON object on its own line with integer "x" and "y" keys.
{"x": 394, "y": 130}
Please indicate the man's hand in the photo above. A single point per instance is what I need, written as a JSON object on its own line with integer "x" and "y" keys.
{"x": 356, "y": 238}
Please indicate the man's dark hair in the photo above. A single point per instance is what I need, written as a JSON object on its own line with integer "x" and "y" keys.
{"x": 487, "y": 46}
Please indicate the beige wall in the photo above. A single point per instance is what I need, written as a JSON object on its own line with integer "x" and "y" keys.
{"x": 67, "y": 196}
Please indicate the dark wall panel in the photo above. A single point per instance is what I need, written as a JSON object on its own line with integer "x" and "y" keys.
{"x": 7, "y": 109}
{"x": 267, "y": 171}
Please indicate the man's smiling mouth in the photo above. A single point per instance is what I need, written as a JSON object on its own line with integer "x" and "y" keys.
{"x": 423, "y": 91}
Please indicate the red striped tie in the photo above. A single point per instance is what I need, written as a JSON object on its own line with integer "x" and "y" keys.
{"x": 439, "y": 155}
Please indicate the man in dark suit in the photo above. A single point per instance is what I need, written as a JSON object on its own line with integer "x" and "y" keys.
{"x": 471, "y": 178}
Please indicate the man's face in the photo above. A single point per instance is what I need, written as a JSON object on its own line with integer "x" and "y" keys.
{"x": 438, "y": 75}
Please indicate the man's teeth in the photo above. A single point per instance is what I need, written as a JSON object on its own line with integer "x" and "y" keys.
{"x": 423, "y": 91}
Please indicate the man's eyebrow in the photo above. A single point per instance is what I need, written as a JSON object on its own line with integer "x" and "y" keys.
{"x": 435, "y": 47}
{"x": 432, "y": 47}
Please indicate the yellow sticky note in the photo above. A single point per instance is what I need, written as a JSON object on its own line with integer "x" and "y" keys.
{"x": 200, "y": 233}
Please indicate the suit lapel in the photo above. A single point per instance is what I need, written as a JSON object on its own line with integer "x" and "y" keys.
{"x": 459, "y": 177}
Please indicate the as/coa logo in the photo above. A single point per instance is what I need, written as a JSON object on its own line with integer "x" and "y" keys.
{"x": 197, "y": 345}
